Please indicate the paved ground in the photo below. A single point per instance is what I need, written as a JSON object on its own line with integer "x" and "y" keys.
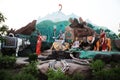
{"x": 24, "y": 60}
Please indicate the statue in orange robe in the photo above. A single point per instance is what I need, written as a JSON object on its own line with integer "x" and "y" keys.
{"x": 103, "y": 42}
{"x": 38, "y": 45}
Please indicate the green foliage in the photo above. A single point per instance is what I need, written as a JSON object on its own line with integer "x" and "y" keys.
{"x": 33, "y": 57}
{"x": 119, "y": 35}
{"x": 30, "y": 72}
{"x": 3, "y": 28}
{"x": 114, "y": 64}
{"x": 97, "y": 65}
{"x": 2, "y": 17}
{"x": 5, "y": 75}
{"x": 24, "y": 76}
{"x": 31, "y": 69}
{"x": 78, "y": 76}
{"x": 3, "y": 31}
{"x": 109, "y": 74}
{"x": 57, "y": 75}
{"x": 105, "y": 73}
{"x": 7, "y": 61}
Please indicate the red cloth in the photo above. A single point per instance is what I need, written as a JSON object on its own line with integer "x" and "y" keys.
{"x": 102, "y": 35}
{"x": 104, "y": 46}
{"x": 38, "y": 45}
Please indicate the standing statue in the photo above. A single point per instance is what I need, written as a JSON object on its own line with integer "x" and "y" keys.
{"x": 39, "y": 43}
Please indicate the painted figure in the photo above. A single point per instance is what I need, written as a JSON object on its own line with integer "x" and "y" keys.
{"x": 76, "y": 43}
{"x": 39, "y": 43}
{"x": 105, "y": 43}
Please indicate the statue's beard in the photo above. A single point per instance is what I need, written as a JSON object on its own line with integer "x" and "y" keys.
{"x": 91, "y": 41}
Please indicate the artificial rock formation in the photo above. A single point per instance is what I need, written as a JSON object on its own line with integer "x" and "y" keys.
{"x": 26, "y": 30}
{"x": 117, "y": 43}
{"x": 80, "y": 30}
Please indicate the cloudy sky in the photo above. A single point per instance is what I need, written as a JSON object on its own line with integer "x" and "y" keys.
{"x": 100, "y": 12}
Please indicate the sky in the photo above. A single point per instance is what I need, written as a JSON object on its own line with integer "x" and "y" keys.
{"x": 101, "y": 12}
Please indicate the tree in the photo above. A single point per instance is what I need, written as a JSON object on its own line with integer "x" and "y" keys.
{"x": 3, "y": 28}
{"x": 119, "y": 35}
{"x": 2, "y": 17}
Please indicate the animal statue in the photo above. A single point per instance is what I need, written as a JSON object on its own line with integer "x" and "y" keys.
{"x": 58, "y": 50}
{"x": 14, "y": 43}
{"x": 106, "y": 46}
{"x": 59, "y": 46}
{"x": 99, "y": 44}
{"x": 68, "y": 67}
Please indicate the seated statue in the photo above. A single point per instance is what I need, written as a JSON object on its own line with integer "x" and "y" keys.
{"x": 84, "y": 44}
{"x": 76, "y": 43}
{"x": 105, "y": 43}
{"x": 96, "y": 44}
{"x": 93, "y": 42}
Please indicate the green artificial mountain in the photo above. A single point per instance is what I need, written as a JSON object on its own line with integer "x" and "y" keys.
{"x": 47, "y": 28}
{"x": 46, "y": 25}
{"x": 110, "y": 34}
